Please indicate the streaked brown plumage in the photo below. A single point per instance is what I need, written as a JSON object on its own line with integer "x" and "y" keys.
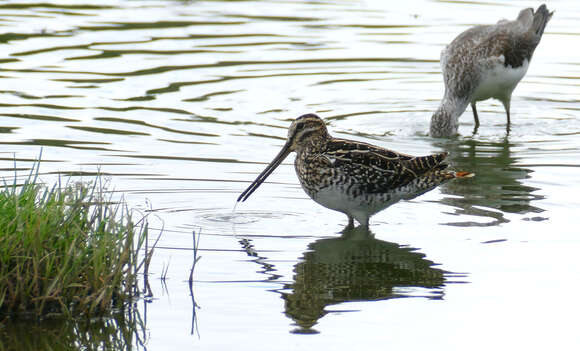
{"x": 352, "y": 177}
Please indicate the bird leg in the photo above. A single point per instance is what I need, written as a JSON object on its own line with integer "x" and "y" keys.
{"x": 506, "y": 105}
{"x": 476, "y": 127}
{"x": 475, "y": 115}
{"x": 350, "y": 222}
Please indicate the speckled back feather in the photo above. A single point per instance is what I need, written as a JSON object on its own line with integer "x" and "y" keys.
{"x": 377, "y": 169}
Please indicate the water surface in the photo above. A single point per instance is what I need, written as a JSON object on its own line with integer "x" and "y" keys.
{"x": 180, "y": 104}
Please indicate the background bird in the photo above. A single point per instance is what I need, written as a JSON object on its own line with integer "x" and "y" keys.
{"x": 485, "y": 62}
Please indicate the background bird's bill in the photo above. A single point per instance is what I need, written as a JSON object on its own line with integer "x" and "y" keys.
{"x": 266, "y": 172}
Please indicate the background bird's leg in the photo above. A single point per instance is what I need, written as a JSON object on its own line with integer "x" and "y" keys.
{"x": 506, "y": 105}
{"x": 476, "y": 127}
{"x": 350, "y": 222}
{"x": 475, "y": 115}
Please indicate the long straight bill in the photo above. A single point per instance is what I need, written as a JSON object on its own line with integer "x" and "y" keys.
{"x": 265, "y": 173}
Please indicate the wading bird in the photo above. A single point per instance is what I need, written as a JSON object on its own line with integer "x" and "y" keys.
{"x": 352, "y": 177}
{"x": 486, "y": 62}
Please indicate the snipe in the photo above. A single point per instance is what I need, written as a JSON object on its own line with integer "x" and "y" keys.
{"x": 352, "y": 177}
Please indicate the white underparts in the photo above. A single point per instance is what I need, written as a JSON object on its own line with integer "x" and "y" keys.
{"x": 498, "y": 81}
{"x": 361, "y": 208}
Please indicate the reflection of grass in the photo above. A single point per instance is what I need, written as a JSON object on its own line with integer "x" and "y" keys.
{"x": 195, "y": 306}
{"x": 66, "y": 250}
{"x": 122, "y": 331}
{"x": 195, "y": 256}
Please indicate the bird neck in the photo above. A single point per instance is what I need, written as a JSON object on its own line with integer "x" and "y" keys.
{"x": 315, "y": 145}
{"x": 444, "y": 122}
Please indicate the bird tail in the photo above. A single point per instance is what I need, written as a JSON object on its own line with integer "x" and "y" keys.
{"x": 541, "y": 18}
{"x": 425, "y": 164}
{"x": 436, "y": 177}
{"x": 464, "y": 174}
{"x": 458, "y": 174}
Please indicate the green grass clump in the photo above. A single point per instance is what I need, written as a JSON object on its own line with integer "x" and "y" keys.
{"x": 66, "y": 250}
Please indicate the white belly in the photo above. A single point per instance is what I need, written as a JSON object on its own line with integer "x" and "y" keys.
{"x": 360, "y": 207}
{"x": 498, "y": 82}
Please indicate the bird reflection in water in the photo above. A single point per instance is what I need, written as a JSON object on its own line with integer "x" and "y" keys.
{"x": 356, "y": 267}
{"x": 499, "y": 188}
